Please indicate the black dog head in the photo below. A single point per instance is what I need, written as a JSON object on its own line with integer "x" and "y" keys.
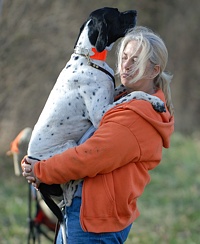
{"x": 107, "y": 25}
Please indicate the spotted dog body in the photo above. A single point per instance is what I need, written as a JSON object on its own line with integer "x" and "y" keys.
{"x": 82, "y": 93}
{"x": 73, "y": 106}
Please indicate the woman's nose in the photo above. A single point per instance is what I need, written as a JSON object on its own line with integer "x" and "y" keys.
{"x": 126, "y": 65}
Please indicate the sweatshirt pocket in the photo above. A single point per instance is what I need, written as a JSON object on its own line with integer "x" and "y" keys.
{"x": 98, "y": 197}
{"x": 108, "y": 184}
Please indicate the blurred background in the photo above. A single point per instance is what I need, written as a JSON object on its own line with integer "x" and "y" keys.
{"x": 37, "y": 39}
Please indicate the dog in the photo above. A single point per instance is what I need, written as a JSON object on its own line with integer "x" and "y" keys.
{"x": 85, "y": 88}
{"x": 83, "y": 93}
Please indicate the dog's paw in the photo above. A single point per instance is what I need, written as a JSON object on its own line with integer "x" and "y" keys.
{"x": 159, "y": 106}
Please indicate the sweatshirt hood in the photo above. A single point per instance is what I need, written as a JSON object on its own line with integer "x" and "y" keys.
{"x": 162, "y": 122}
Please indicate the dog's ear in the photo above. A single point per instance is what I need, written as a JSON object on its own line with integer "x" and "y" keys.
{"x": 98, "y": 34}
{"x": 102, "y": 38}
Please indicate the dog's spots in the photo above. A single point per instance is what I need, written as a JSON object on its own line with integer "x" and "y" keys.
{"x": 52, "y": 134}
{"x": 61, "y": 122}
{"x": 75, "y": 80}
{"x": 76, "y": 57}
{"x": 122, "y": 91}
{"x": 69, "y": 65}
{"x": 93, "y": 93}
{"x": 69, "y": 104}
{"x": 123, "y": 100}
{"x": 83, "y": 114}
{"x": 81, "y": 64}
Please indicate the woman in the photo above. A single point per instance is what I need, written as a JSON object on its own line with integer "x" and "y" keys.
{"x": 115, "y": 161}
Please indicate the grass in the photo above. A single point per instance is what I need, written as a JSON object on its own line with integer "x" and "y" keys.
{"x": 169, "y": 206}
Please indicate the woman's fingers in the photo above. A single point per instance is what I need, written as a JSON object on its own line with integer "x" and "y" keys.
{"x": 30, "y": 179}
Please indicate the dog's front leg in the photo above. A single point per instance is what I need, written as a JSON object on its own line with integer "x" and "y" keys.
{"x": 156, "y": 102}
{"x": 119, "y": 90}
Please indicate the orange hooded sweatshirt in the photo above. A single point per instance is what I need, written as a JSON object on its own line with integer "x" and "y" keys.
{"x": 114, "y": 163}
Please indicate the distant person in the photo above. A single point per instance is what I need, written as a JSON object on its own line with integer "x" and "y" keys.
{"x": 114, "y": 162}
{"x": 18, "y": 148}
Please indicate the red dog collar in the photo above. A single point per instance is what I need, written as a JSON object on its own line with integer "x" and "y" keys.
{"x": 99, "y": 56}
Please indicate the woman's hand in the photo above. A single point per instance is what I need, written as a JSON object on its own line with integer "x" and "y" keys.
{"x": 27, "y": 165}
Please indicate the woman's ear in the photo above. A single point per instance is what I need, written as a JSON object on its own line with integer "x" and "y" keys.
{"x": 155, "y": 71}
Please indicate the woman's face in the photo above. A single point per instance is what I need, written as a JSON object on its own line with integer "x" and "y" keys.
{"x": 129, "y": 57}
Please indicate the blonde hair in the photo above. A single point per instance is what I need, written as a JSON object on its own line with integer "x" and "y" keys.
{"x": 153, "y": 49}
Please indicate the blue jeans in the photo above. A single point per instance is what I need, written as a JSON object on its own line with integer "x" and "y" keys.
{"x": 75, "y": 234}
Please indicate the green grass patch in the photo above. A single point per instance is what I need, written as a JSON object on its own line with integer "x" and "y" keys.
{"x": 169, "y": 206}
